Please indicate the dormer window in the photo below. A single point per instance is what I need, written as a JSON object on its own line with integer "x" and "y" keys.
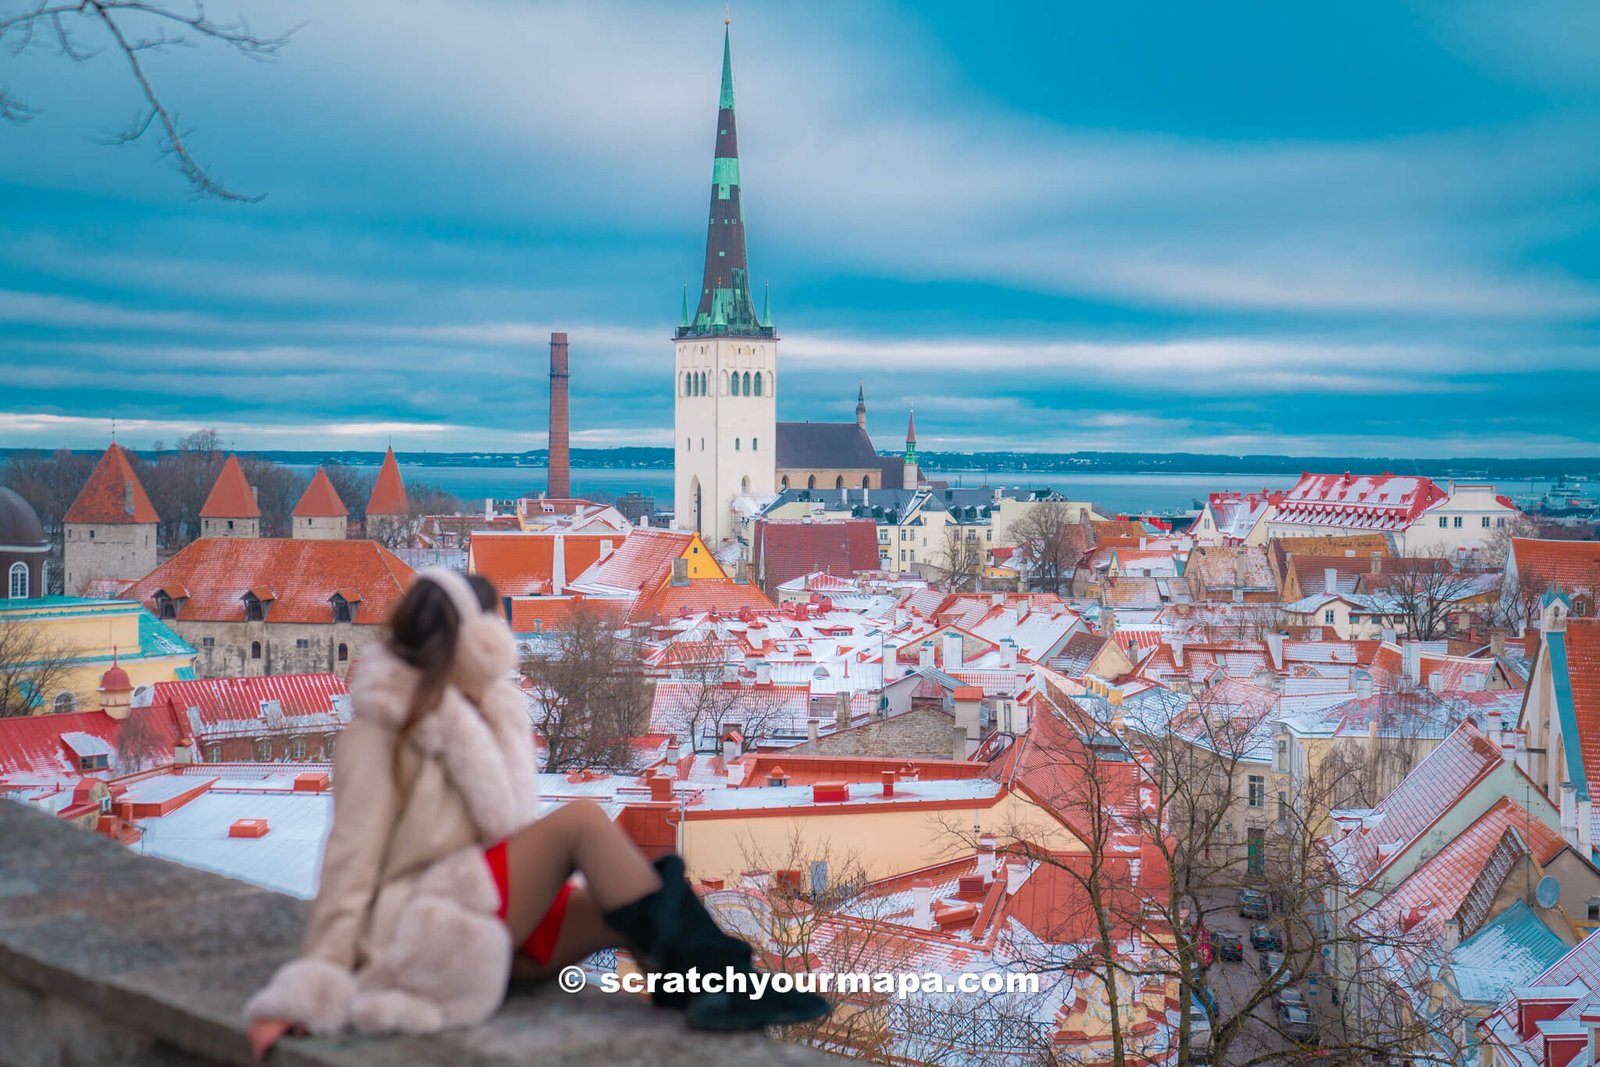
{"x": 166, "y": 607}
{"x": 344, "y": 605}
{"x": 256, "y": 603}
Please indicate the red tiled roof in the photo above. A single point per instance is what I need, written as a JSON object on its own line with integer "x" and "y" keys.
{"x": 543, "y": 614}
{"x": 1573, "y": 565}
{"x": 1583, "y": 674}
{"x": 231, "y": 497}
{"x": 301, "y": 577}
{"x": 702, "y": 594}
{"x": 641, "y": 563}
{"x": 861, "y": 770}
{"x": 320, "y": 500}
{"x": 31, "y": 746}
{"x": 221, "y": 703}
{"x": 782, "y": 549}
{"x": 112, "y": 494}
{"x": 1444, "y": 776}
{"x": 1360, "y": 501}
{"x": 523, "y": 564}
{"x": 389, "y": 491}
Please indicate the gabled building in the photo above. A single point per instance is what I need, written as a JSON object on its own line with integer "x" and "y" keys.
{"x": 231, "y": 509}
{"x": 275, "y": 605}
{"x": 110, "y": 527}
{"x": 1416, "y": 513}
{"x": 1560, "y": 720}
{"x": 1533, "y": 564}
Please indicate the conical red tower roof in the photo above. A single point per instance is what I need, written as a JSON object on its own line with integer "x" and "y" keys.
{"x": 113, "y": 493}
{"x": 231, "y": 497}
{"x": 320, "y": 500}
{"x": 389, "y": 491}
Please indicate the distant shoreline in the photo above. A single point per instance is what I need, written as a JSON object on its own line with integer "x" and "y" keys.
{"x": 1043, "y": 463}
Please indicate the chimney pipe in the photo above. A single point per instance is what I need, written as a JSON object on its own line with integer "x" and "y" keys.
{"x": 560, "y": 462}
{"x": 986, "y": 857}
{"x": 922, "y": 904}
{"x": 1016, "y": 873}
{"x": 1330, "y": 580}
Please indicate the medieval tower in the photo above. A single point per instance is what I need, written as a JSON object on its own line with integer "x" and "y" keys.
{"x": 727, "y": 361}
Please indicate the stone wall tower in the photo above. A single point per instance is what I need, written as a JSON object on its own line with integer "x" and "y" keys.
{"x": 320, "y": 515}
{"x": 231, "y": 509}
{"x": 110, "y": 527}
{"x": 726, "y": 377}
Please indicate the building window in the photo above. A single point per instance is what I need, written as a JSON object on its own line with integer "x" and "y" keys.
{"x": 166, "y": 608}
{"x": 327, "y": 745}
{"x": 18, "y": 584}
{"x": 255, "y": 649}
{"x": 212, "y": 754}
{"x": 736, "y": 444}
{"x": 263, "y": 751}
{"x": 297, "y": 748}
{"x": 254, "y": 610}
{"x": 1458, "y": 522}
{"x": 1444, "y": 522}
{"x": 1327, "y": 617}
{"x": 344, "y": 653}
{"x": 1486, "y": 522}
{"x": 759, "y": 376}
{"x": 746, "y": 383}
{"x": 755, "y": 444}
{"x": 1594, "y": 909}
{"x": 1257, "y": 787}
{"x": 208, "y": 642}
{"x": 301, "y": 644}
{"x": 1500, "y": 522}
{"x": 734, "y": 389}
{"x": 343, "y": 610}
{"x": 64, "y": 702}
{"x": 1283, "y": 809}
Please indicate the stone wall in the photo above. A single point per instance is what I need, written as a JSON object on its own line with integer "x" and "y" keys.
{"x": 116, "y": 550}
{"x": 107, "y": 957}
{"x": 922, "y": 733}
{"x": 229, "y": 654}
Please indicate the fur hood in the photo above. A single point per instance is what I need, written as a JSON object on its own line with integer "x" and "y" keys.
{"x": 486, "y": 746}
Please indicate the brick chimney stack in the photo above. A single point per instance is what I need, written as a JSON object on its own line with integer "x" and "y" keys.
{"x": 560, "y": 486}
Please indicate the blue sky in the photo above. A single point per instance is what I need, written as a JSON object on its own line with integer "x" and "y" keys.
{"x": 1365, "y": 229}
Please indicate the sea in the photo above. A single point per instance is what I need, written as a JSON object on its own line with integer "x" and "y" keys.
{"x": 1111, "y": 494}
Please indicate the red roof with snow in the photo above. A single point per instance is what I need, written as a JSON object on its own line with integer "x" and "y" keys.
{"x": 38, "y": 747}
{"x": 702, "y": 594}
{"x": 1361, "y": 501}
{"x": 112, "y": 494}
{"x": 1573, "y": 565}
{"x": 543, "y": 614}
{"x": 389, "y": 491}
{"x": 523, "y": 564}
{"x": 320, "y": 500}
{"x": 299, "y": 577}
{"x": 231, "y": 497}
{"x": 222, "y": 704}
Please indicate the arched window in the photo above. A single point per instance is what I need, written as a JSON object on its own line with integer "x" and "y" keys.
{"x": 785, "y": 483}
{"x": 263, "y": 751}
{"x": 866, "y": 482}
{"x": 746, "y": 383}
{"x": 758, "y": 383}
{"x": 688, "y": 445}
{"x": 705, "y": 383}
{"x": 18, "y": 585}
{"x": 811, "y": 482}
{"x": 702, "y": 444}
{"x": 344, "y": 653}
{"x": 255, "y": 649}
{"x": 838, "y": 483}
{"x": 744, "y": 484}
{"x": 755, "y": 444}
{"x": 165, "y": 608}
{"x": 733, "y": 388}
{"x": 64, "y": 702}
{"x": 686, "y": 383}
{"x": 725, "y": 382}
{"x": 736, "y": 444}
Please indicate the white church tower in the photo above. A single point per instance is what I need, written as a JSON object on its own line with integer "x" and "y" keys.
{"x": 727, "y": 369}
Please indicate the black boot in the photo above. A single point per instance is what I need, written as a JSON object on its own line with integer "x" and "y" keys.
{"x": 673, "y": 930}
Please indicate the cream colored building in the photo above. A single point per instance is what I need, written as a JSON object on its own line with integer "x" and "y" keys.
{"x": 88, "y": 636}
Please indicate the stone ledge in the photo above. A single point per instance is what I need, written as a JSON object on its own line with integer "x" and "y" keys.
{"x": 109, "y": 957}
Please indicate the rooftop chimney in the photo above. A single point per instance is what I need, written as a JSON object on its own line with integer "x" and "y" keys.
{"x": 922, "y": 904}
{"x": 953, "y": 656}
{"x": 560, "y": 462}
{"x": 1330, "y": 579}
{"x": 986, "y": 857}
{"x": 1016, "y": 874}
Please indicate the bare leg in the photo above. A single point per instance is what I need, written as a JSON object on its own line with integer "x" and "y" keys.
{"x": 583, "y": 933}
{"x": 578, "y": 836}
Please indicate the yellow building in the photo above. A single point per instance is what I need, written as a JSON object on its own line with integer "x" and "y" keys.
{"x": 57, "y": 648}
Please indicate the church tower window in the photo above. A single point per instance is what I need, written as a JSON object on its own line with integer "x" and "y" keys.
{"x": 758, "y": 383}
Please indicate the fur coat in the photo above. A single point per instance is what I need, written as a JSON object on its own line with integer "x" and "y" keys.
{"x": 403, "y": 933}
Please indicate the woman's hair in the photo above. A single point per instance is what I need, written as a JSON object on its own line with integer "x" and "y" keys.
{"x": 422, "y": 632}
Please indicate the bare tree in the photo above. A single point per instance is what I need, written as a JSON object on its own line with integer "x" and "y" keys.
{"x": 80, "y": 30}
{"x": 138, "y": 742}
{"x": 34, "y": 668}
{"x": 277, "y": 490}
{"x": 592, "y": 694}
{"x": 1049, "y": 543}
{"x": 961, "y": 558}
{"x": 178, "y": 483}
{"x": 422, "y": 499}
{"x": 708, "y": 696}
{"x": 1427, "y": 591}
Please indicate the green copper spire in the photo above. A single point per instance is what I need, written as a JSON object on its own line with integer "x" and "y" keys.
{"x": 683, "y": 318}
{"x": 726, "y": 304}
{"x": 766, "y": 311}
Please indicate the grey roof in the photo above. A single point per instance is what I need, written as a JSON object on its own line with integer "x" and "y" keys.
{"x": 19, "y": 523}
{"x": 824, "y": 446}
{"x": 882, "y": 505}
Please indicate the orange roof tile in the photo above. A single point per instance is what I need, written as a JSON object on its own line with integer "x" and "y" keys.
{"x": 300, "y": 576}
{"x": 113, "y": 493}
{"x": 523, "y": 564}
{"x": 543, "y": 614}
{"x": 1573, "y": 565}
{"x": 320, "y": 500}
{"x": 1583, "y": 675}
{"x": 389, "y": 491}
{"x": 702, "y": 594}
{"x": 231, "y": 497}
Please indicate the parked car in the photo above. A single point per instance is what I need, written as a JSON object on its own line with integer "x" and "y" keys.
{"x": 1296, "y": 1023}
{"x": 1270, "y": 962}
{"x": 1265, "y": 939}
{"x": 1227, "y": 947}
{"x": 1252, "y": 904}
{"x": 1291, "y": 996}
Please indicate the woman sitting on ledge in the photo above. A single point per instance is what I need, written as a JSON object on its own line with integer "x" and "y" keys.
{"x": 436, "y": 866}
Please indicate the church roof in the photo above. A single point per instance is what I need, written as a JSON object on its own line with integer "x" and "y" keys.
{"x": 389, "y": 491}
{"x": 231, "y": 497}
{"x": 726, "y": 307}
{"x": 113, "y": 493}
{"x": 19, "y": 523}
{"x": 825, "y": 446}
{"x": 320, "y": 500}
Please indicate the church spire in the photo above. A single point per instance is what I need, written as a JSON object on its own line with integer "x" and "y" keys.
{"x": 725, "y": 286}
{"x": 861, "y": 404}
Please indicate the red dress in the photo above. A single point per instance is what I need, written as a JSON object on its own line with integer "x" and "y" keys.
{"x": 541, "y": 944}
